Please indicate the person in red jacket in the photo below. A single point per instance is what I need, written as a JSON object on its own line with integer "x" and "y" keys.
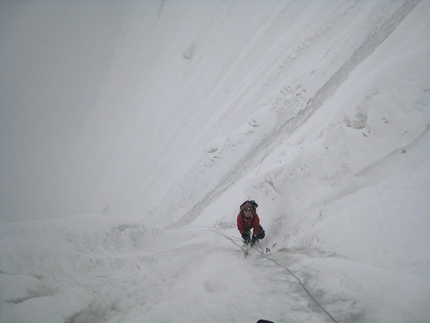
{"x": 248, "y": 219}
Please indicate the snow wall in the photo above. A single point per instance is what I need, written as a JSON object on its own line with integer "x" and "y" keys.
{"x": 173, "y": 112}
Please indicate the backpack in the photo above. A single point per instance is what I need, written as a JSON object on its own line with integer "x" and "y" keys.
{"x": 252, "y": 202}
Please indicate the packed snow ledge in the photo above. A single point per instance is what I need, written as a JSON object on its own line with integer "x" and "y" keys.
{"x": 318, "y": 110}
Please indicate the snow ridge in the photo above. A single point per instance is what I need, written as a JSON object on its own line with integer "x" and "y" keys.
{"x": 318, "y": 110}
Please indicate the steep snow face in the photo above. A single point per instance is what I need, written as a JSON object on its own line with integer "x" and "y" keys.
{"x": 169, "y": 115}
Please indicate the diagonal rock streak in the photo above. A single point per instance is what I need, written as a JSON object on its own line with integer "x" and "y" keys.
{"x": 369, "y": 45}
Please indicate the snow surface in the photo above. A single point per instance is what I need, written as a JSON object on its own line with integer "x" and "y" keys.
{"x": 130, "y": 132}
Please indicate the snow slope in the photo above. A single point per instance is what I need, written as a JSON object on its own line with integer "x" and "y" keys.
{"x": 318, "y": 110}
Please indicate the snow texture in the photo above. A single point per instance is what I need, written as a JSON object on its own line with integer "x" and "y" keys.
{"x": 130, "y": 133}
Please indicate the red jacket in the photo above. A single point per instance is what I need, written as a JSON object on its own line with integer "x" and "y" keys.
{"x": 246, "y": 224}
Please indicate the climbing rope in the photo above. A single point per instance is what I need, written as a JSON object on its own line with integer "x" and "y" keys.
{"x": 261, "y": 251}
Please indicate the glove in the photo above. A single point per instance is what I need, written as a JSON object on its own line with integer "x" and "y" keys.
{"x": 245, "y": 237}
{"x": 254, "y": 239}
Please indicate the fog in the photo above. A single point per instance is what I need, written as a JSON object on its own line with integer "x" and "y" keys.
{"x": 130, "y": 132}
